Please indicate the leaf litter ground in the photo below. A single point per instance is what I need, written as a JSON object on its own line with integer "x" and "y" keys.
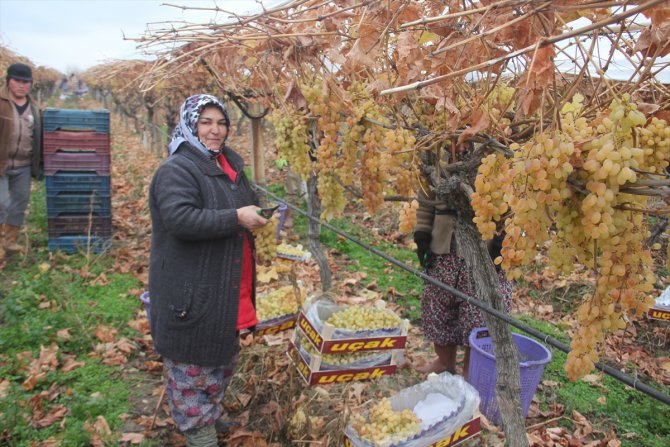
{"x": 267, "y": 399}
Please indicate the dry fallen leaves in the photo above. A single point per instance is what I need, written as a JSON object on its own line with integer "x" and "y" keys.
{"x": 38, "y": 368}
{"x": 132, "y": 438}
{"x": 106, "y": 334}
{"x": 100, "y": 432}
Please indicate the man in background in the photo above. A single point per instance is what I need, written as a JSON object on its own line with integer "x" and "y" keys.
{"x": 20, "y": 153}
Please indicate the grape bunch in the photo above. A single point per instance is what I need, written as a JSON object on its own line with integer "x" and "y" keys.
{"x": 498, "y": 101}
{"x": 407, "y": 216}
{"x": 384, "y": 426}
{"x": 572, "y": 190}
{"x": 360, "y": 318}
{"x": 326, "y": 107}
{"x": 656, "y": 140}
{"x": 488, "y": 200}
{"x": 277, "y": 302}
{"x": 400, "y": 161}
{"x": 373, "y": 159}
{"x": 291, "y": 137}
{"x": 265, "y": 240}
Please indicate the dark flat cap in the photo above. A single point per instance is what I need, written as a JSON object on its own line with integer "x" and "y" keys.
{"x": 19, "y": 71}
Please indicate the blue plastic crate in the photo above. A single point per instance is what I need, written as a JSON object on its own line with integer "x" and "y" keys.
{"x": 86, "y": 182}
{"x": 80, "y": 244}
{"x": 82, "y": 204}
{"x": 73, "y": 119}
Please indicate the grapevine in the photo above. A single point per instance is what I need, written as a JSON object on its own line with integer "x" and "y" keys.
{"x": 570, "y": 197}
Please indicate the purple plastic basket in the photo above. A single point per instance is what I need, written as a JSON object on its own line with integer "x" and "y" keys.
{"x": 147, "y": 305}
{"x": 482, "y": 370}
{"x": 282, "y": 215}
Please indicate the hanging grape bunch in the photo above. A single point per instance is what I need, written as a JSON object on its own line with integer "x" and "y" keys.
{"x": 265, "y": 240}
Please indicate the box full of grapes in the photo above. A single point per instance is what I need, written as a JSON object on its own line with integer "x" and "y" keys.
{"x": 278, "y": 308}
{"x": 440, "y": 412}
{"x": 317, "y": 370}
{"x": 275, "y": 325}
{"x": 661, "y": 308}
{"x": 659, "y": 313}
{"x": 336, "y": 329}
{"x": 465, "y": 431}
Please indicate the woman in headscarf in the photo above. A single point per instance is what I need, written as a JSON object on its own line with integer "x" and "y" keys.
{"x": 202, "y": 272}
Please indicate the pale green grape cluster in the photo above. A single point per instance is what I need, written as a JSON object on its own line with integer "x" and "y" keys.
{"x": 384, "y": 425}
{"x": 265, "y": 240}
{"x": 291, "y": 137}
{"x": 277, "y": 302}
{"x": 655, "y": 138}
{"x": 361, "y": 318}
{"x": 568, "y": 190}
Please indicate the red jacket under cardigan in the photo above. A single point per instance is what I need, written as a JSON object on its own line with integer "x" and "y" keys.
{"x": 246, "y": 315}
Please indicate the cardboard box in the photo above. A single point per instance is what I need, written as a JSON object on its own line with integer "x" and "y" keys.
{"x": 275, "y": 325}
{"x": 465, "y": 431}
{"x": 659, "y": 313}
{"x": 325, "y": 344}
{"x": 309, "y": 369}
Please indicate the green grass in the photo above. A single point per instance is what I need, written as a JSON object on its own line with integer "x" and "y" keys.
{"x": 40, "y": 296}
{"x": 622, "y": 409}
{"x": 27, "y": 322}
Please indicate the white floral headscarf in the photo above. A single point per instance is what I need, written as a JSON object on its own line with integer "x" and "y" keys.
{"x": 186, "y": 130}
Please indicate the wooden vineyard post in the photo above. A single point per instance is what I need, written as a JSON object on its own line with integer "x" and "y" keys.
{"x": 256, "y": 114}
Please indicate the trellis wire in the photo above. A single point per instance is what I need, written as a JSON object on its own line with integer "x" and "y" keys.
{"x": 633, "y": 382}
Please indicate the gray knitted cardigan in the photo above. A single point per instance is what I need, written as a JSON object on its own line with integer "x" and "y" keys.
{"x": 196, "y": 256}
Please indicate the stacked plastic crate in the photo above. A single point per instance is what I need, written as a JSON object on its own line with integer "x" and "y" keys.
{"x": 77, "y": 167}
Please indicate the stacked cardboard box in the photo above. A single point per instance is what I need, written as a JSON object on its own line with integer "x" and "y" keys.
{"x": 321, "y": 340}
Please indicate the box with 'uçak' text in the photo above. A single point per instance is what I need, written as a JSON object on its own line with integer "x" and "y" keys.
{"x": 315, "y": 371}
{"x": 323, "y": 342}
{"x": 659, "y": 313}
{"x": 465, "y": 431}
{"x": 275, "y": 325}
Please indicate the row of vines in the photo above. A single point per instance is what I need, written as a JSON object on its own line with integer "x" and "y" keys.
{"x": 467, "y": 101}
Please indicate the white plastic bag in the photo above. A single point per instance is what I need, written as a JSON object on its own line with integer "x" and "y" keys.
{"x": 463, "y": 401}
{"x": 664, "y": 299}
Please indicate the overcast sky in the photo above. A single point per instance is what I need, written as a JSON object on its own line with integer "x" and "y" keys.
{"x": 83, "y": 33}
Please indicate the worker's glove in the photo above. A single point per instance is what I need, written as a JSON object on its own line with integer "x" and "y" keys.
{"x": 495, "y": 246}
{"x": 422, "y": 241}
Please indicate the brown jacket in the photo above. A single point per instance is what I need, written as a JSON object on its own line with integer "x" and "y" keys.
{"x": 7, "y": 114}
{"x": 434, "y": 218}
